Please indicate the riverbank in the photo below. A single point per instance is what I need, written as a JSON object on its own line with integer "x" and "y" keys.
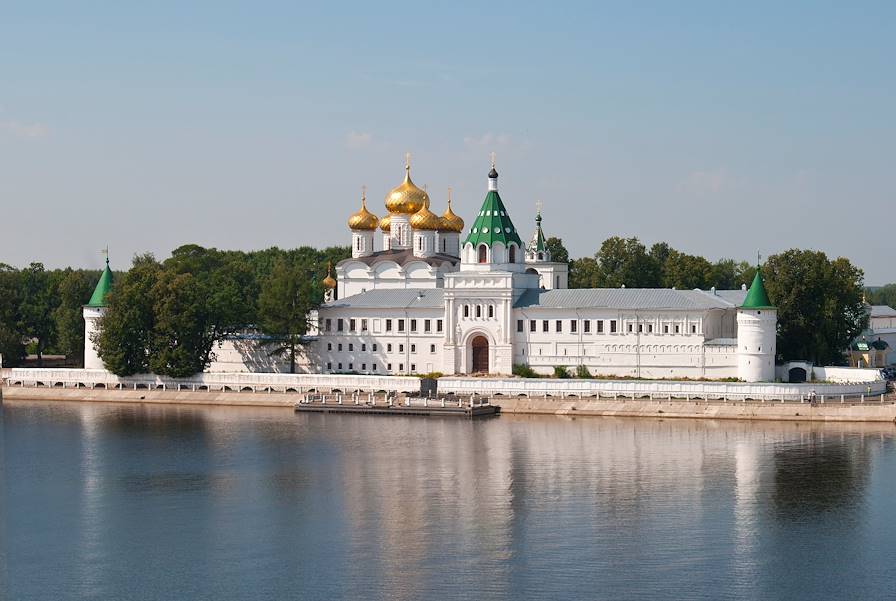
{"x": 676, "y": 408}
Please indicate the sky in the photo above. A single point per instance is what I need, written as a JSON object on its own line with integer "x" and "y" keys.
{"x": 722, "y": 128}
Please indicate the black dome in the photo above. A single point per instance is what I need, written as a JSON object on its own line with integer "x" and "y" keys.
{"x": 493, "y": 174}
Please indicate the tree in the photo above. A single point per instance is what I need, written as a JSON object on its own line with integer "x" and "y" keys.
{"x": 686, "y": 272}
{"x": 125, "y": 332}
{"x": 819, "y": 304}
{"x": 12, "y": 347}
{"x": 288, "y": 294}
{"x": 74, "y": 290}
{"x": 183, "y": 330}
{"x": 585, "y": 273}
{"x": 624, "y": 261}
{"x": 38, "y": 301}
{"x": 559, "y": 254}
{"x": 884, "y": 295}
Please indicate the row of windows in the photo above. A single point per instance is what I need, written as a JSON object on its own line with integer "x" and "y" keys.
{"x": 373, "y": 367}
{"x": 374, "y": 347}
{"x": 399, "y": 323}
{"x": 611, "y": 327}
{"x": 477, "y": 310}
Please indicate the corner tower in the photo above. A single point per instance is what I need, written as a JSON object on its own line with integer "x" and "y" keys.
{"x": 93, "y": 311}
{"x": 757, "y": 324}
{"x": 493, "y": 242}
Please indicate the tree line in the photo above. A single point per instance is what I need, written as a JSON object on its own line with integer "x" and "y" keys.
{"x": 167, "y": 317}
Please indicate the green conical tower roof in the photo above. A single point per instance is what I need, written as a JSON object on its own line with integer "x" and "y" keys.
{"x": 538, "y": 244}
{"x": 757, "y": 297}
{"x": 493, "y": 224}
{"x": 98, "y": 298}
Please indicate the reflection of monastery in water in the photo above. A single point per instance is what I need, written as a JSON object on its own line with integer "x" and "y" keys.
{"x": 426, "y": 301}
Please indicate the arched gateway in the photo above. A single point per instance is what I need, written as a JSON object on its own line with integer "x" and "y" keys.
{"x": 480, "y": 355}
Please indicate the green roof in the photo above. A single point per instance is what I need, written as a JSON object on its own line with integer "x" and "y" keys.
{"x": 757, "y": 297}
{"x": 538, "y": 244}
{"x": 98, "y": 298}
{"x": 493, "y": 224}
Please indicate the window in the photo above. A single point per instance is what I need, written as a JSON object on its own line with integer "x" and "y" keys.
{"x": 600, "y": 326}
{"x": 427, "y": 325}
{"x": 483, "y": 254}
{"x": 630, "y": 329}
{"x": 401, "y": 325}
{"x": 373, "y": 367}
{"x": 351, "y": 347}
{"x": 339, "y": 325}
{"x": 693, "y": 328}
{"x": 677, "y": 329}
{"x": 339, "y": 367}
{"x": 559, "y": 325}
{"x": 466, "y": 310}
{"x": 388, "y": 367}
{"x": 573, "y": 326}
{"x": 519, "y": 325}
{"x": 363, "y": 367}
{"x": 432, "y": 348}
{"x": 557, "y": 282}
{"x": 339, "y": 348}
{"x": 511, "y": 253}
{"x": 665, "y": 328}
{"x": 544, "y": 325}
{"x": 413, "y": 367}
{"x": 401, "y": 367}
{"x": 612, "y": 326}
{"x": 329, "y": 346}
{"x": 650, "y": 328}
{"x": 491, "y": 310}
{"x": 478, "y": 310}
{"x": 413, "y": 325}
{"x": 640, "y": 328}
{"x": 351, "y": 367}
{"x": 388, "y": 325}
{"x": 363, "y": 325}
{"x": 532, "y": 325}
{"x": 351, "y": 325}
{"x": 413, "y": 348}
{"x": 329, "y": 366}
{"x": 438, "y": 325}
{"x": 373, "y": 347}
{"x": 389, "y": 349}
{"x": 400, "y": 348}
{"x": 587, "y": 326}
{"x": 329, "y": 325}
{"x": 363, "y": 347}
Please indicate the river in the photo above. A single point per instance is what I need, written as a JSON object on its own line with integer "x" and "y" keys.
{"x": 133, "y": 502}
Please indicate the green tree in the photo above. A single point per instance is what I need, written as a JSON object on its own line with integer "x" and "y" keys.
{"x": 183, "y": 329}
{"x": 625, "y": 261}
{"x": 585, "y": 273}
{"x": 38, "y": 301}
{"x": 12, "y": 347}
{"x": 559, "y": 254}
{"x": 884, "y": 295}
{"x": 74, "y": 290}
{"x": 819, "y": 304}
{"x": 286, "y": 297}
{"x": 125, "y": 332}
{"x": 686, "y": 272}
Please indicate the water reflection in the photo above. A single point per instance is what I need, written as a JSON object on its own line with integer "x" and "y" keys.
{"x": 173, "y": 502}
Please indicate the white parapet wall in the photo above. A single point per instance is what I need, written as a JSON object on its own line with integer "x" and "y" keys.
{"x": 654, "y": 388}
{"x": 846, "y": 375}
{"x": 254, "y": 382}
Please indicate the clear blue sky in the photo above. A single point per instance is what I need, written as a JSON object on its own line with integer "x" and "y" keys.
{"x": 719, "y": 127}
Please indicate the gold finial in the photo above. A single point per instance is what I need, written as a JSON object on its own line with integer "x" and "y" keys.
{"x": 407, "y": 161}
{"x": 364, "y": 196}
{"x": 493, "y": 160}
{"x": 449, "y": 196}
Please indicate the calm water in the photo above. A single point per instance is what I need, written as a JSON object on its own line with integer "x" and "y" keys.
{"x": 129, "y": 502}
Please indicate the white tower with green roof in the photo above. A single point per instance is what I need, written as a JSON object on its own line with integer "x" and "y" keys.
{"x": 757, "y": 325}
{"x": 93, "y": 310}
{"x": 493, "y": 242}
{"x": 538, "y": 259}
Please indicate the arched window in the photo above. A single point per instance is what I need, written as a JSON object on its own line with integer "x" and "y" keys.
{"x": 511, "y": 253}
{"x": 358, "y": 240}
{"x": 483, "y": 254}
{"x": 478, "y": 310}
{"x": 466, "y": 310}
{"x": 541, "y": 256}
{"x": 443, "y": 245}
{"x": 491, "y": 310}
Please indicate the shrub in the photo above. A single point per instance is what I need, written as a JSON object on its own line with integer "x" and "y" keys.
{"x": 561, "y": 372}
{"x": 524, "y": 371}
{"x": 435, "y": 375}
{"x": 582, "y": 372}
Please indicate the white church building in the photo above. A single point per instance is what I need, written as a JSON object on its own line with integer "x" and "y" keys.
{"x": 436, "y": 296}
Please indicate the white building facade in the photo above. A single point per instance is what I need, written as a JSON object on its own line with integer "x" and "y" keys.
{"x": 427, "y": 302}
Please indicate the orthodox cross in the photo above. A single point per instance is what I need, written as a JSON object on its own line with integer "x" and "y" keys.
{"x": 538, "y": 205}
{"x": 407, "y": 160}
{"x": 493, "y": 160}
{"x": 363, "y": 193}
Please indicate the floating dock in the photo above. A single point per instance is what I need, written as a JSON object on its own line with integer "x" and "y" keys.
{"x": 467, "y": 408}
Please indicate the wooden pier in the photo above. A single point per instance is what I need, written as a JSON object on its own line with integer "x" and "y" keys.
{"x": 371, "y": 405}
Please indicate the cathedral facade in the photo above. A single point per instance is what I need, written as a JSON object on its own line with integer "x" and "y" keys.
{"x": 437, "y": 296}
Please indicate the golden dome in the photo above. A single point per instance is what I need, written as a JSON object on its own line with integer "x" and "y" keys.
{"x": 329, "y": 281}
{"x": 424, "y": 219}
{"x": 406, "y": 198}
{"x": 386, "y": 223}
{"x": 363, "y": 219}
{"x": 449, "y": 221}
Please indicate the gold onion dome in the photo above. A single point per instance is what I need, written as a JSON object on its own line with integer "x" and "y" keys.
{"x": 363, "y": 219}
{"x": 329, "y": 281}
{"x": 449, "y": 221}
{"x": 424, "y": 219}
{"x": 386, "y": 223}
{"x": 406, "y": 198}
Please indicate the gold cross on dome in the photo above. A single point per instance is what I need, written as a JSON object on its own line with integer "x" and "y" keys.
{"x": 407, "y": 160}
{"x": 538, "y": 205}
{"x": 364, "y": 192}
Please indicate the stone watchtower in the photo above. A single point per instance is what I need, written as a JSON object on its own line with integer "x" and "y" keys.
{"x": 93, "y": 310}
{"x": 757, "y": 325}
